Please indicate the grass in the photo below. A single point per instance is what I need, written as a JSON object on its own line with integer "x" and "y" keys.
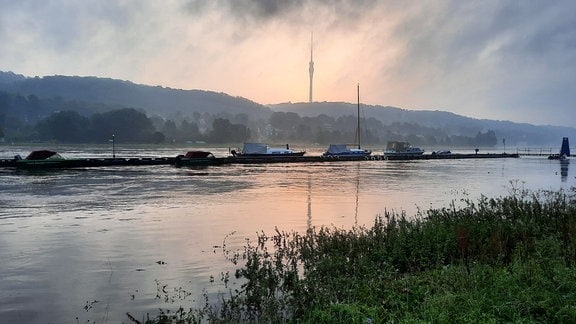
{"x": 508, "y": 259}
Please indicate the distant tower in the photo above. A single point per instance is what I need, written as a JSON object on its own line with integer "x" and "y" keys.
{"x": 311, "y": 66}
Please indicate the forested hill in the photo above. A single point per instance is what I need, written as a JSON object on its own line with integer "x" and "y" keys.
{"x": 450, "y": 123}
{"x": 154, "y": 100}
{"x": 27, "y": 102}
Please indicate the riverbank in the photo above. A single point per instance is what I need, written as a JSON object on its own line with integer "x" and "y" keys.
{"x": 508, "y": 259}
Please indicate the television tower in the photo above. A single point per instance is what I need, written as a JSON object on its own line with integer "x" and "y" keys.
{"x": 311, "y": 66}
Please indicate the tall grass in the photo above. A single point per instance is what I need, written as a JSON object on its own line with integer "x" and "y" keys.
{"x": 492, "y": 260}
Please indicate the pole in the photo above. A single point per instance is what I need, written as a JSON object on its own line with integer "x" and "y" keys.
{"x": 113, "y": 148}
{"x": 358, "y": 121}
{"x": 311, "y": 65}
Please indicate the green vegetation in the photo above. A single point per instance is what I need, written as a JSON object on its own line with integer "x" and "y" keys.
{"x": 188, "y": 115}
{"x": 129, "y": 125}
{"x": 35, "y": 119}
{"x": 509, "y": 259}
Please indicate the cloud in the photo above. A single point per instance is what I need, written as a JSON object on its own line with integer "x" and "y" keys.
{"x": 497, "y": 58}
{"x": 487, "y": 59}
{"x": 263, "y": 10}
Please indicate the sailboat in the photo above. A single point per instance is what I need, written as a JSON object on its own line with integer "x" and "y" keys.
{"x": 342, "y": 150}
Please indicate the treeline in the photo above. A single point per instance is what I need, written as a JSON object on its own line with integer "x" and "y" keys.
{"x": 132, "y": 126}
{"x": 129, "y": 125}
{"x": 323, "y": 129}
{"x": 28, "y": 119}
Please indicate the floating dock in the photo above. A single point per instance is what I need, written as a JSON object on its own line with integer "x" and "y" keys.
{"x": 452, "y": 156}
{"x": 107, "y": 162}
{"x": 293, "y": 159}
{"x": 85, "y": 163}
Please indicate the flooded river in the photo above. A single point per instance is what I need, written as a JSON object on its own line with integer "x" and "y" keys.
{"x": 94, "y": 244}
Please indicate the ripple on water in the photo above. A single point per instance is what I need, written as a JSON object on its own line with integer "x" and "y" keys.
{"x": 72, "y": 237}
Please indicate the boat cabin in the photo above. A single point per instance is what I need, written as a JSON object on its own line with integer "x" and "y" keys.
{"x": 43, "y": 155}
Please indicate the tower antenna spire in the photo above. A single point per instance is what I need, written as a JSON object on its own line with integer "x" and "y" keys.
{"x": 311, "y": 65}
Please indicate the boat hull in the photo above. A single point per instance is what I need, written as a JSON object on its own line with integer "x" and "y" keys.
{"x": 396, "y": 148}
{"x": 199, "y": 162}
{"x": 347, "y": 155}
{"x": 88, "y": 163}
{"x": 403, "y": 153}
{"x": 271, "y": 155}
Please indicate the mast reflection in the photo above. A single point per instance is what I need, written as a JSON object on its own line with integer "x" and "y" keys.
{"x": 309, "y": 214}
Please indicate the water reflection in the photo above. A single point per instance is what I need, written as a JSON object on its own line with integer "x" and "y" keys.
{"x": 75, "y": 236}
{"x": 357, "y": 190}
{"x": 309, "y": 211}
{"x": 564, "y": 164}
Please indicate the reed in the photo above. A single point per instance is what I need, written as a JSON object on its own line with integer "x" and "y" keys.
{"x": 492, "y": 260}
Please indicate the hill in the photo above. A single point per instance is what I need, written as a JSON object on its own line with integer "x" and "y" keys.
{"x": 29, "y": 99}
{"x": 10, "y": 77}
{"x": 154, "y": 100}
{"x": 515, "y": 134}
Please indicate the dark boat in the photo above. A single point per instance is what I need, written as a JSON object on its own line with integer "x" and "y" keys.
{"x": 197, "y": 158}
{"x": 44, "y": 159}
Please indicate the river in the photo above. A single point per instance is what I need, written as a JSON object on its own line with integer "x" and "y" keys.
{"x": 94, "y": 244}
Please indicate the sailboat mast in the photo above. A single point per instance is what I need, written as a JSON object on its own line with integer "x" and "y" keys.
{"x": 358, "y": 118}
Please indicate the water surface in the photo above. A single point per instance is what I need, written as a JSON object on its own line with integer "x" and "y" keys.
{"x": 96, "y": 243}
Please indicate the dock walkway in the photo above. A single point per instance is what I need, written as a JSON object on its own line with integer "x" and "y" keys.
{"x": 87, "y": 163}
{"x": 107, "y": 162}
{"x": 453, "y": 156}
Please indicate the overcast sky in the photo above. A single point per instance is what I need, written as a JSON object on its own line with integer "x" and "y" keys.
{"x": 493, "y": 59}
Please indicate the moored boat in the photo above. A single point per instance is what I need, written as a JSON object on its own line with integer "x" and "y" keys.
{"x": 261, "y": 150}
{"x": 342, "y": 150}
{"x": 197, "y": 158}
{"x": 46, "y": 159}
{"x": 397, "y": 148}
{"x": 43, "y": 159}
{"x": 442, "y": 152}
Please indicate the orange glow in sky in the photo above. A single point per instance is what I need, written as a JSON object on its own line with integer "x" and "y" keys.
{"x": 484, "y": 59}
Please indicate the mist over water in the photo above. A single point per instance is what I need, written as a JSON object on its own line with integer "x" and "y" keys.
{"x": 96, "y": 243}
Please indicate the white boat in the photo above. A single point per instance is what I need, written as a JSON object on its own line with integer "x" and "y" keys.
{"x": 396, "y": 148}
{"x": 263, "y": 150}
{"x": 342, "y": 150}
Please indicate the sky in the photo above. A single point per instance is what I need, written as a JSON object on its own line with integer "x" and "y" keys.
{"x": 490, "y": 59}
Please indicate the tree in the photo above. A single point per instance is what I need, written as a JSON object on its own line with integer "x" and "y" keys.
{"x": 487, "y": 139}
{"x": 128, "y": 124}
{"x": 170, "y": 130}
{"x": 158, "y": 138}
{"x": 225, "y": 132}
{"x": 189, "y": 131}
{"x": 284, "y": 121}
{"x": 64, "y": 126}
